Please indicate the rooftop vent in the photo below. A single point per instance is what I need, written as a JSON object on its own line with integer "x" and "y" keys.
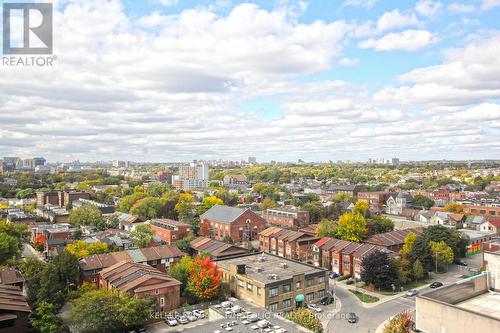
{"x": 283, "y": 265}
{"x": 262, "y": 259}
{"x": 273, "y": 277}
{"x": 259, "y": 269}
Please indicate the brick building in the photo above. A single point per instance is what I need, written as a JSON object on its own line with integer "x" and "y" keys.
{"x": 142, "y": 281}
{"x": 288, "y": 216}
{"x": 169, "y": 230}
{"x": 217, "y": 249}
{"x": 287, "y": 243}
{"x": 351, "y": 190}
{"x": 376, "y": 200}
{"x": 392, "y": 240}
{"x": 14, "y": 310}
{"x": 160, "y": 257}
{"x": 59, "y": 198}
{"x": 240, "y": 224}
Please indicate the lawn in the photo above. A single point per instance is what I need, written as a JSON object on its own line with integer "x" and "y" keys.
{"x": 411, "y": 285}
{"x": 364, "y": 297}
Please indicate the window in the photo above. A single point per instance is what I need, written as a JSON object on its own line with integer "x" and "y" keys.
{"x": 287, "y": 288}
{"x": 174, "y": 236}
{"x": 298, "y": 285}
{"x": 157, "y": 291}
{"x": 309, "y": 282}
{"x": 346, "y": 265}
{"x": 335, "y": 262}
{"x": 162, "y": 301}
{"x": 258, "y": 291}
{"x": 240, "y": 283}
{"x": 240, "y": 235}
{"x": 321, "y": 293}
{"x": 288, "y": 250}
{"x": 273, "y": 307}
{"x": 94, "y": 279}
{"x": 249, "y": 286}
{"x": 356, "y": 266}
{"x": 287, "y": 303}
{"x": 321, "y": 280}
{"x": 309, "y": 297}
{"x": 248, "y": 230}
{"x": 273, "y": 292}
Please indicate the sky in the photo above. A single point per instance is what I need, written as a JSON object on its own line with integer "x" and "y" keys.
{"x": 177, "y": 80}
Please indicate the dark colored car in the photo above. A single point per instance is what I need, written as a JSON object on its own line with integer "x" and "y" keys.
{"x": 436, "y": 285}
{"x": 327, "y": 300}
{"x": 352, "y": 318}
{"x": 461, "y": 263}
{"x": 333, "y": 275}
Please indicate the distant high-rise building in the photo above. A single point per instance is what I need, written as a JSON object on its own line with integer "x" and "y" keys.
{"x": 121, "y": 164}
{"x": 191, "y": 176}
{"x": 252, "y": 160}
{"x": 395, "y": 160}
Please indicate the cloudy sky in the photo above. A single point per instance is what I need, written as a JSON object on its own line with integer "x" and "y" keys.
{"x": 167, "y": 80}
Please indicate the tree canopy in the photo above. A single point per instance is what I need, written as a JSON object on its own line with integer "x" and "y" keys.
{"x": 379, "y": 270}
{"x": 352, "y": 227}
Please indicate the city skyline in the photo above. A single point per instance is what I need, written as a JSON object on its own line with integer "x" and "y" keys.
{"x": 282, "y": 80}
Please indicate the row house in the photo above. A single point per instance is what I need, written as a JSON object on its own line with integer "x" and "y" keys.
{"x": 287, "y": 243}
{"x": 392, "y": 240}
{"x": 160, "y": 257}
{"x": 142, "y": 281}
{"x": 288, "y": 216}
{"x": 169, "y": 230}
{"x": 216, "y": 249}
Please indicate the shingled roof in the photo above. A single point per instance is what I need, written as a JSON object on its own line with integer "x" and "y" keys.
{"x": 216, "y": 248}
{"x": 392, "y": 238}
{"x": 12, "y": 299}
{"x": 222, "y": 214}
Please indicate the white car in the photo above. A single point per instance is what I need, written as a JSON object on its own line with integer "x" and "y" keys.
{"x": 314, "y": 308}
{"x": 199, "y": 313}
{"x": 412, "y": 292}
{"x": 171, "y": 321}
{"x": 190, "y": 316}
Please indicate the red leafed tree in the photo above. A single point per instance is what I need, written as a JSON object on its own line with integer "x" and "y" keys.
{"x": 204, "y": 278}
{"x": 40, "y": 241}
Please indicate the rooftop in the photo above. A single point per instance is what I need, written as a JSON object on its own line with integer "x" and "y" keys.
{"x": 223, "y": 214}
{"x": 261, "y": 267}
{"x": 488, "y": 304}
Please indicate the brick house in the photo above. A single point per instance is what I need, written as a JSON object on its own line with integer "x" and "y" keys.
{"x": 376, "y": 200}
{"x": 326, "y": 252}
{"x": 169, "y": 230}
{"x": 159, "y": 257}
{"x": 288, "y": 216}
{"x": 287, "y": 243}
{"x": 240, "y": 224}
{"x": 143, "y": 281}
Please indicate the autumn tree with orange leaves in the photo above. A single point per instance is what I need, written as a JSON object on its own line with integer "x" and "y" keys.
{"x": 204, "y": 278}
{"x": 39, "y": 242}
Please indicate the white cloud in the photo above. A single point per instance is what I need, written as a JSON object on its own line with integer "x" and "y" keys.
{"x": 349, "y": 62}
{"x": 395, "y": 20}
{"x": 461, "y": 8}
{"x": 408, "y": 40}
{"x": 167, "y": 3}
{"x": 428, "y": 7}
{"x": 359, "y": 3}
{"x": 490, "y": 4}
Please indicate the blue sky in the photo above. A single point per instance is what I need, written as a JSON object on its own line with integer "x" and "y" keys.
{"x": 167, "y": 80}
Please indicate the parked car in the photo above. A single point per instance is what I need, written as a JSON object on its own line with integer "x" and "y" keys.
{"x": 190, "y": 316}
{"x": 171, "y": 321}
{"x": 461, "y": 263}
{"x": 352, "y": 318}
{"x": 314, "y": 307}
{"x": 327, "y": 300}
{"x": 199, "y": 313}
{"x": 436, "y": 285}
{"x": 333, "y": 275}
{"x": 143, "y": 330}
{"x": 181, "y": 319}
{"x": 412, "y": 292}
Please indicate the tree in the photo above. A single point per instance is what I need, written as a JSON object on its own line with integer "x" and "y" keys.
{"x": 19, "y": 231}
{"x": 405, "y": 270}
{"x": 86, "y": 215}
{"x": 342, "y": 196}
{"x": 409, "y": 241}
{"x": 418, "y": 270}
{"x": 9, "y": 247}
{"x": 306, "y": 318}
{"x": 379, "y": 271}
{"x": 267, "y": 203}
{"x": 158, "y": 190}
{"x": 148, "y": 208}
{"x": 209, "y": 202}
{"x": 326, "y": 228}
{"x": 30, "y": 266}
{"x": 82, "y": 249}
{"x": 352, "y": 227}
{"x": 453, "y": 208}
{"x": 204, "y": 278}
{"x": 26, "y": 193}
{"x": 421, "y": 201}
{"x": 180, "y": 272}
{"x": 46, "y": 320}
{"x": 316, "y": 210}
{"x": 421, "y": 251}
{"x": 39, "y": 242}
{"x": 128, "y": 201}
{"x": 228, "y": 239}
{"x": 400, "y": 323}
{"x": 453, "y": 238}
{"x": 102, "y": 310}
{"x": 142, "y": 234}
{"x": 361, "y": 206}
{"x": 378, "y": 224}
{"x": 442, "y": 252}
{"x": 184, "y": 206}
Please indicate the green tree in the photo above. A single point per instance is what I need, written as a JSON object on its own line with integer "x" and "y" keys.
{"x": 128, "y": 201}
{"x": 18, "y": 231}
{"x": 405, "y": 270}
{"x": 421, "y": 251}
{"x": 316, "y": 210}
{"x": 379, "y": 270}
{"x": 26, "y": 193}
{"x": 306, "y": 318}
{"x": 442, "y": 252}
{"x": 326, "y": 228}
{"x": 46, "y": 320}
{"x": 451, "y": 237}
{"x": 142, "y": 235}
{"x": 352, "y": 227}
{"x": 267, "y": 203}
{"x": 31, "y": 266}
{"x": 361, "y": 206}
{"x": 422, "y": 202}
{"x": 453, "y": 208}
{"x": 184, "y": 206}
{"x": 148, "y": 208}
{"x": 342, "y": 196}
{"x": 158, "y": 190}
{"x": 110, "y": 311}
{"x": 378, "y": 224}
{"x": 184, "y": 244}
{"x": 86, "y": 215}
{"x": 9, "y": 247}
{"x": 209, "y": 202}
{"x": 409, "y": 241}
{"x": 418, "y": 270}
{"x": 180, "y": 272}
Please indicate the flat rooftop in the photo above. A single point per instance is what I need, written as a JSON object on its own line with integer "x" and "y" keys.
{"x": 259, "y": 267}
{"x": 488, "y": 304}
